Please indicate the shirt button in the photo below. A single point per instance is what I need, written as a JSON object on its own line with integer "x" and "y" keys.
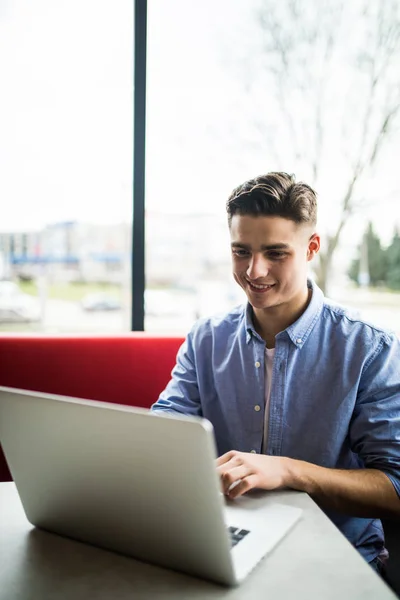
{"x": 298, "y": 341}
{"x": 257, "y": 408}
{"x": 253, "y": 451}
{"x": 257, "y": 364}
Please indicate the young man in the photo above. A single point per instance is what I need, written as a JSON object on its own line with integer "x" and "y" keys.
{"x": 301, "y": 393}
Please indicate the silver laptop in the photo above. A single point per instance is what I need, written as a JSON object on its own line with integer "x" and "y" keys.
{"x": 138, "y": 483}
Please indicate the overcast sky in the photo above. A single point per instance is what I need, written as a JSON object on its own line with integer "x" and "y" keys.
{"x": 66, "y": 112}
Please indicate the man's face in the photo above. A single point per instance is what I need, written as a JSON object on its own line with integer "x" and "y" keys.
{"x": 269, "y": 257}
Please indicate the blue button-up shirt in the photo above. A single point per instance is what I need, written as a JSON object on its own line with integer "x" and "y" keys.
{"x": 335, "y": 394}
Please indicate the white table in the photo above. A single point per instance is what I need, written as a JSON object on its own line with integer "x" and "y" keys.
{"x": 314, "y": 562}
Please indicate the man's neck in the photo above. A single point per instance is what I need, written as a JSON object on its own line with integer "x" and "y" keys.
{"x": 271, "y": 321}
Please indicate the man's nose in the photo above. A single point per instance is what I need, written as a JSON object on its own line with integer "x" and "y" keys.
{"x": 258, "y": 267}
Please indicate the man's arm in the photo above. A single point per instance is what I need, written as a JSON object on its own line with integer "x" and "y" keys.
{"x": 182, "y": 392}
{"x": 361, "y": 492}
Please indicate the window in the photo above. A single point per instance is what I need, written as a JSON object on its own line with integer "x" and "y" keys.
{"x": 236, "y": 89}
{"x": 66, "y": 163}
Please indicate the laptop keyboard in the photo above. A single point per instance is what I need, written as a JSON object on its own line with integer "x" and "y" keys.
{"x": 237, "y": 535}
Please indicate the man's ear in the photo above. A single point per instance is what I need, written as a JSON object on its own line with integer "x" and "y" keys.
{"x": 314, "y": 244}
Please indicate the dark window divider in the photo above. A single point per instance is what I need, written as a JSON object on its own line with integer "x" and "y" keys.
{"x": 139, "y": 164}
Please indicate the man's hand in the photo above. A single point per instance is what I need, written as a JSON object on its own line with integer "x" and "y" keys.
{"x": 251, "y": 471}
{"x": 358, "y": 492}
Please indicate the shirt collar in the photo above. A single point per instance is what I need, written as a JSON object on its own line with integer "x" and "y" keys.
{"x": 250, "y": 331}
{"x": 299, "y": 331}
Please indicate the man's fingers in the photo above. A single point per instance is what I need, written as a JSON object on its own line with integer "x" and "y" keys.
{"x": 230, "y": 476}
{"x": 245, "y": 485}
{"x": 222, "y": 460}
{"x": 238, "y": 474}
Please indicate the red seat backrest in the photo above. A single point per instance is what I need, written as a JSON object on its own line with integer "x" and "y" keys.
{"x": 126, "y": 369}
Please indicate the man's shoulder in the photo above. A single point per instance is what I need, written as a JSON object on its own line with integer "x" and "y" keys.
{"x": 224, "y": 323}
{"x": 349, "y": 319}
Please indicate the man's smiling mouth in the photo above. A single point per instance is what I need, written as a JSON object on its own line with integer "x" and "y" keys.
{"x": 259, "y": 287}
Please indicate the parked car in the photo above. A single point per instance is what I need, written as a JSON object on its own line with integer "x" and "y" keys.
{"x": 100, "y": 301}
{"x": 15, "y": 306}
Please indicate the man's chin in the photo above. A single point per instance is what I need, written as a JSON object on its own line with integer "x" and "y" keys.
{"x": 262, "y": 299}
{"x": 262, "y": 303}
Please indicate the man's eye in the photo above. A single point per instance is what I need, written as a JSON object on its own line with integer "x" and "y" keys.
{"x": 239, "y": 252}
{"x": 276, "y": 255}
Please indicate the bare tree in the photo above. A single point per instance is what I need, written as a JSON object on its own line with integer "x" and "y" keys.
{"x": 330, "y": 74}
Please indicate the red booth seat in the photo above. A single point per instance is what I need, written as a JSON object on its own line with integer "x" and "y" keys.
{"x": 131, "y": 368}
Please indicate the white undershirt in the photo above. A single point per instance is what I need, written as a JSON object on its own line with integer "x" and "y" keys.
{"x": 269, "y": 361}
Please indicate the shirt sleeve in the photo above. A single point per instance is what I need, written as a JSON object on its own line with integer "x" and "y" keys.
{"x": 182, "y": 392}
{"x": 375, "y": 425}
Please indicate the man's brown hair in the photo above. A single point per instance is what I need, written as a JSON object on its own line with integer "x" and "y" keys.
{"x": 275, "y": 194}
